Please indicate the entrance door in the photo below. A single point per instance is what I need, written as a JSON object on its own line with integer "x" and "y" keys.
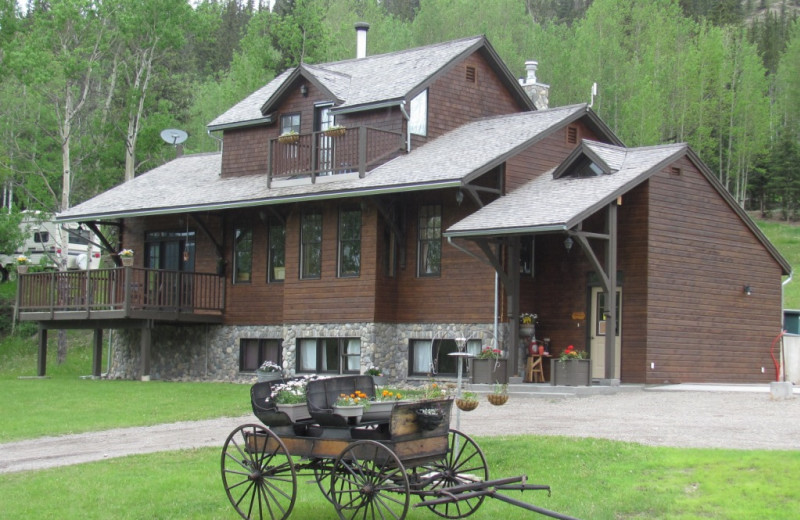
{"x": 171, "y": 253}
{"x": 323, "y": 119}
{"x": 597, "y": 335}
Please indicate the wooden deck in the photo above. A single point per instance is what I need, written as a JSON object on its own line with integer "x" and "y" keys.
{"x": 101, "y": 297}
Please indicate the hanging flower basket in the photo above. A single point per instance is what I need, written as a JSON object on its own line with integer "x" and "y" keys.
{"x": 335, "y": 131}
{"x": 467, "y": 404}
{"x": 497, "y": 399}
{"x": 289, "y": 138}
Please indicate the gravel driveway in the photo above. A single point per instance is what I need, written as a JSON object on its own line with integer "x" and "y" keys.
{"x": 689, "y": 418}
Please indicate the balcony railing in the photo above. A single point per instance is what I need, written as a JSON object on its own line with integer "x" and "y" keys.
{"x": 123, "y": 292}
{"x": 358, "y": 149}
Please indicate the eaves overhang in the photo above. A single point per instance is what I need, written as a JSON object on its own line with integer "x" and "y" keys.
{"x": 266, "y": 120}
{"x": 506, "y": 231}
{"x": 306, "y": 197}
{"x": 386, "y": 103}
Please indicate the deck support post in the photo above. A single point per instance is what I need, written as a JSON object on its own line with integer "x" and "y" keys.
{"x": 145, "y": 345}
{"x": 611, "y": 295}
{"x": 97, "y": 352}
{"x": 41, "y": 367}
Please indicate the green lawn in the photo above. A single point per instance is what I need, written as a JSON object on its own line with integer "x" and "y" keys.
{"x": 786, "y": 238}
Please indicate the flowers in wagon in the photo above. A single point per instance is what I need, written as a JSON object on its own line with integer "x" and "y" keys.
{"x": 374, "y": 371}
{"x": 528, "y": 318}
{"x": 570, "y": 353}
{"x": 126, "y": 253}
{"x": 388, "y": 396}
{"x": 357, "y": 398}
{"x": 22, "y": 260}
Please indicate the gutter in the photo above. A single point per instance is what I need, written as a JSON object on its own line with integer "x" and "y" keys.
{"x": 241, "y": 124}
{"x": 368, "y": 106}
{"x": 506, "y": 231}
{"x": 172, "y": 210}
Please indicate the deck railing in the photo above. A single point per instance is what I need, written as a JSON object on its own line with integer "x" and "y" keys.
{"x": 121, "y": 289}
{"x": 317, "y": 154}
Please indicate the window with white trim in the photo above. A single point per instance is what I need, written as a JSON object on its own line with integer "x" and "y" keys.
{"x": 329, "y": 355}
{"x": 431, "y": 357}
{"x": 418, "y": 114}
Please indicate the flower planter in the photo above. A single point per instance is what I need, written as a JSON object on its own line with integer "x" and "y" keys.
{"x": 573, "y": 372}
{"x": 497, "y": 399}
{"x": 288, "y": 139}
{"x": 268, "y": 376}
{"x": 296, "y": 412}
{"x": 278, "y": 273}
{"x": 22, "y": 268}
{"x": 352, "y": 413}
{"x": 127, "y": 261}
{"x": 335, "y": 132}
{"x": 489, "y": 371}
{"x": 467, "y": 405}
{"x": 380, "y": 380}
{"x": 526, "y": 331}
{"x": 378, "y": 411}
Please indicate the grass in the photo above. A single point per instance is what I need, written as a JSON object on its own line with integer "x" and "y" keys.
{"x": 786, "y": 238}
{"x": 590, "y": 479}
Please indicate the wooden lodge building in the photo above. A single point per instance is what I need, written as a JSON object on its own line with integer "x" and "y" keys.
{"x": 371, "y": 211}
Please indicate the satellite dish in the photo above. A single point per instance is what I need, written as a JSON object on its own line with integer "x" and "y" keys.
{"x": 82, "y": 261}
{"x": 174, "y": 136}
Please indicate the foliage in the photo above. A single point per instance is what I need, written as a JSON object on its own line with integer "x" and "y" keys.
{"x": 292, "y": 392}
{"x": 387, "y": 395}
{"x": 489, "y": 353}
{"x": 11, "y": 236}
{"x": 357, "y": 398}
{"x": 374, "y": 371}
{"x": 469, "y": 396}
{"x": 500, "y": 389}
{"x": 570, "y": 353}
{"x": 269, "y": 366}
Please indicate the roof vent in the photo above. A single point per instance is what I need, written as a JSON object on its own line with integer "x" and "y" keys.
{"x": 361, "y": 39}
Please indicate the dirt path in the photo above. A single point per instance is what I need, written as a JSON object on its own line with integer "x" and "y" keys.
{"x": 736, "y": 420}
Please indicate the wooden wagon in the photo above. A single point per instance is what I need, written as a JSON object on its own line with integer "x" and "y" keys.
{"x": 368, "y": 469}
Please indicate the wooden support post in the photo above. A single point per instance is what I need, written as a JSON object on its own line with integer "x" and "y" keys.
{"x": 611, "y": 294}
{"x": 513, "y": 292}
{"x": 41, "y": 368}
{"x": 145, "y": 343}
{"x": 97, "y": 352}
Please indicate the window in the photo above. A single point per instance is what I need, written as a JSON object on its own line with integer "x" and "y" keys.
{"x": 350, "y": 242}
{"x": 290, "y": 123}
{"x": 311, "y": 245}
{"x": 329, "y": 355}
{"x": 276, "y": 253}
{"x": 429, "y": 247}
{"x": 418, "y": 114}
{"x": 242, "y": 254}
{"x": 253, "y": 352}
{"x": 430, "y": 357}
{"x": 41, "y": 237}
{"x": 170, "y": 250}
{"x": 526, "y": 250}
{"x": 79, "y": 236}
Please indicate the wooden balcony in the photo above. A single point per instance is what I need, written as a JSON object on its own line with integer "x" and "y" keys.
{"x": 124, "y": 293}
{"x": 309, "y": 156}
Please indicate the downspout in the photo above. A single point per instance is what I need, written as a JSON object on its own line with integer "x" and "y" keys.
{"x": 408, "y": 128}
{"x": 215, "y": 137}
{"x": 780, "y": 375}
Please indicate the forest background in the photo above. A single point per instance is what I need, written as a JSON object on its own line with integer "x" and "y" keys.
{"x": 86, "y": 86}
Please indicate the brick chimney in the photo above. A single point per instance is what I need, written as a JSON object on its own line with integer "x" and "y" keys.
{"x": 361, "y": 39}
{"x": 538, "y": 92}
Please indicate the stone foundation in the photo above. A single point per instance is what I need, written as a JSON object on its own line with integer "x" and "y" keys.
{"x": 211, "y": 352}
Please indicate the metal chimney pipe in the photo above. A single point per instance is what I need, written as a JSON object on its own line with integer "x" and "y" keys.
{"x": 361, "y": 39}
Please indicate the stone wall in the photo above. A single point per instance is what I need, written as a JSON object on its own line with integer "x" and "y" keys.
{"x": 211, "y": 352}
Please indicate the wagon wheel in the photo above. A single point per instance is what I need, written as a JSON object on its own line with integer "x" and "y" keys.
{"x": 258, "y": 474}
{"x": 463, "y": 463}
{"x": 322, "y": 475}
{"x": 369, "y": 482}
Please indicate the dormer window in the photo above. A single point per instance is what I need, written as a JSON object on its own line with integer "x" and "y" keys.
{"x": 290, "y": 123}
{"x": 585, "y": 168}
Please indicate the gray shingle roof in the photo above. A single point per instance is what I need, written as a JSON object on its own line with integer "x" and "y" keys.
{"x": 546, "y": 203}
{"x": 193, "y": 182}
{"x": 360, "y": 81}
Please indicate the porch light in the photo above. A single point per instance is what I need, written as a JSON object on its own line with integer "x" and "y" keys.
{"x": 304, "y": 90}
{"x": 459, "y": 197}
{"x": 748, "y": 290}
{"x": 568, "y": 244}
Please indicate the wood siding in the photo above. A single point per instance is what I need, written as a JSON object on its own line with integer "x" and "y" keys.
{"x": 543, "y": 155}
{"x": 701, "y": 326}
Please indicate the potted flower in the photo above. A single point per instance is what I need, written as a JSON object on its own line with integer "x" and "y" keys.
{"x": 289, "y": 137}
{"x": 269, "y": 371}
{"x": 380, "y": 408}
{"x": 335, "y": 131}
{"x": 351, "y": 405}
{"x": 127, "y": 257}
{"x": 499, "y": 394}
{"x": 378, "y": 377}
{"x": 290, "y": 398}
{"x": 571, "y": 368}
{"x": 22, "y": 264}
{"x": 468, "y": 401}
{"x": 489, "y": 367}
{"x": 527, "y": 324}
